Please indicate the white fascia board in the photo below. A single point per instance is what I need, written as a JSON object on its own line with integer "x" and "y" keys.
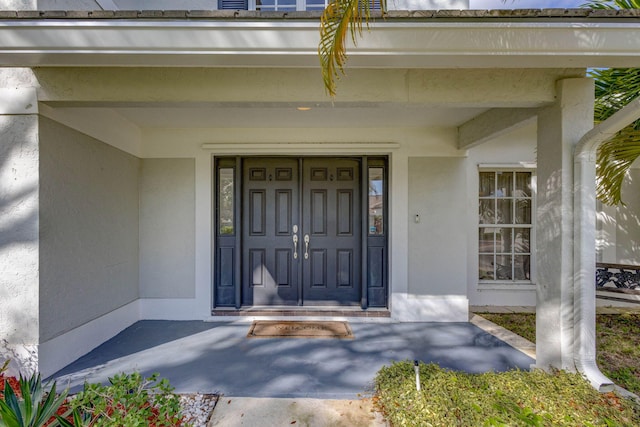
{"x": 279, "y": 43}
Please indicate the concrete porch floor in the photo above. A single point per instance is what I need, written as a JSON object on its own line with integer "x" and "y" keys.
{"x": 218, "y": 358}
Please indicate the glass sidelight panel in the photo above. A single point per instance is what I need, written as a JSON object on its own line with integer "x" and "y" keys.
{"x": 376, "y": 201}
{"x": 225, "y": 194}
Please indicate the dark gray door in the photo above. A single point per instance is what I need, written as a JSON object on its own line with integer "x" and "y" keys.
{"x": 331, "y": 232}
{"x": 317, "y": 202}
{"x": 270, "y": 209}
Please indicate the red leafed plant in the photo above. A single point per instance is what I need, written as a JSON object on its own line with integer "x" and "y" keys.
{"x": 129, "y": 400}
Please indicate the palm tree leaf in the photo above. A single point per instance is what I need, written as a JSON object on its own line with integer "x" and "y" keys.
{"x": 340, "y": 17}
{"x": 612, "y": 4}
{"x": 614, "y": 160}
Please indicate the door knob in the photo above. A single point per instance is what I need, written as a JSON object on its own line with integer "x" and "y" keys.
{"x": 306, "y": 246}
{"x": 295, "y": 246}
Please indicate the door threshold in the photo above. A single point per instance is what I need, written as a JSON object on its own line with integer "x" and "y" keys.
{"x": 301, "y": 311}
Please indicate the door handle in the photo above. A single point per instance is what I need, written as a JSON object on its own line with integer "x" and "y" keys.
{"x": 295, "y": 246}
{"x": 306, "y": 246}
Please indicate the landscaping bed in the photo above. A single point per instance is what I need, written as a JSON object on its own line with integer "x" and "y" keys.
{"x": 514, "y": 398}
{"x": 129, "y": 400}
{"x": 617, "y": 342}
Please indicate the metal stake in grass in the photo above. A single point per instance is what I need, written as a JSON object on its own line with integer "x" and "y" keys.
{"x": 416, "y": 368}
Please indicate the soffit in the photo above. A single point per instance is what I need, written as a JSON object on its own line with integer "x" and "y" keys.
{"x": 264, "y": 117}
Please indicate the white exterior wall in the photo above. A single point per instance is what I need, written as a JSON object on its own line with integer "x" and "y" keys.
{"x": 619, "y": 227}
{"x": 19, "y": 211}
{"x": 438, "y": 205}
{"x": 88, "y": 241}
{"x": 167, "y": 228}
{"x": 628, "y": 222}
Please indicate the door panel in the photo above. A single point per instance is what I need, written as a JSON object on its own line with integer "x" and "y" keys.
{"x": 327, "y": 268}
{"x": 270, "y": 210}
{"x": 331, "y": 218}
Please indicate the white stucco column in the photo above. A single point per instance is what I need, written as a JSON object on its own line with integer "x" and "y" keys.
{"x": 19, "y": 234}
{"x": 560, "y": 127}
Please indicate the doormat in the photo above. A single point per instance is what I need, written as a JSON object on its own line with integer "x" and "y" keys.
{"x": 299, "y": 329}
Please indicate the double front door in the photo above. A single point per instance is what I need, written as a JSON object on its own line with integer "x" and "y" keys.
{"x": 301, "y": 231}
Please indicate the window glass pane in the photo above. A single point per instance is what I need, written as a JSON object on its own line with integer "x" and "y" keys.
{"x": 487, "y": 212}
{"x": 505, "y": 209}
{"x": 503, "y": 267}
{"x": 522, "y": 238}
{"x": 286, "y": 5}
{"x": 523, "y": 211}
{"x": 315, "y": 4}
{"x": 487, "y": 184}
{"x": 376, "y": 201}
{"x": 486, "y": 267}
{"x": 523, "y": 184}
{"x": 522, "y": 267}
{"x": 505, "y": 184}
{"x": 486, "y": 240}
{"x": 225, "y": 199}
{"x": 503, "y": 240}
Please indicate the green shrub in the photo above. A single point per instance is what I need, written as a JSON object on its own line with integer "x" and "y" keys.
{"x": 128, "y": 401}
{"x": 514, "y": 398}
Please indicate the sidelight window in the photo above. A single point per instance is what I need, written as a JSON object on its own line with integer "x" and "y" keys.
{"x": 225, "y": 202}
{"x": 376, "y": 201}
{"x": 505, "y": 226}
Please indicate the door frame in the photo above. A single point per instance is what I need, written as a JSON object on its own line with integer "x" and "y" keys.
{"x": 227, "y": 242}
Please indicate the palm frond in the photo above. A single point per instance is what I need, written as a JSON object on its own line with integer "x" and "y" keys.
{"x": 615, "y": 88}
{"x": 340, "y": 17}
{"x": 614, "y": 160}
{"x": 612, "y": 4}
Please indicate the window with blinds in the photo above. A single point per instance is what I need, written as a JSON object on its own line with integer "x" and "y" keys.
{"x": 280, "y": 5}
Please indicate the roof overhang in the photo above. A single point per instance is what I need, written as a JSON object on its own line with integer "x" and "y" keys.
{"x": 258, "y": 40}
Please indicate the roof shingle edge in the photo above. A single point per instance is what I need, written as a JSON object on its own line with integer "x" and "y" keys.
{"x": 391, "y": 15}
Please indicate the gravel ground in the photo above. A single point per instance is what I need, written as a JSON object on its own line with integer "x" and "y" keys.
{"x": 197, "y": 408}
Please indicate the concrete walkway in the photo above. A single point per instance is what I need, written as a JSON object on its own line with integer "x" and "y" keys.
{"x": 252, "y": 412}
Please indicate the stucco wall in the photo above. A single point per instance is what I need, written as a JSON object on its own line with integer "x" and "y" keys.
{"x": 88, "y": 229}
{"x": 437, "y": 243}
{"x": 167, "y": 228}
{"x": 628, "y": 222}
{"x": 18, "y": 239}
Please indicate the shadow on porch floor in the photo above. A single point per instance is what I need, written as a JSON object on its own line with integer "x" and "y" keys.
{"x": 218, "y": 358}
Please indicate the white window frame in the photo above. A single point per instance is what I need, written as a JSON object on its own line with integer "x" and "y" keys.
{"x": 301, "y": 5}
{"x": 508, "y": 284}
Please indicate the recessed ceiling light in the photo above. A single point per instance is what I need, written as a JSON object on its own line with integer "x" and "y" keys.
{"x": 303, "y": 108}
